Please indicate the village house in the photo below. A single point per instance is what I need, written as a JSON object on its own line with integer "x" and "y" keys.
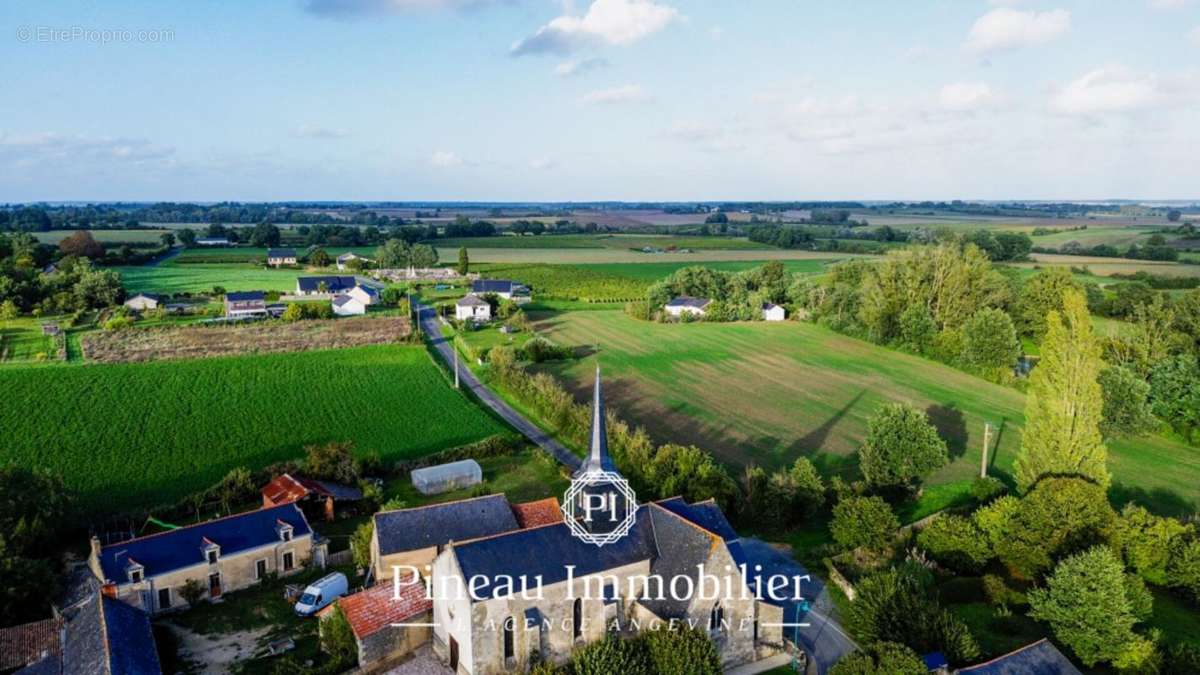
{"x": 223, "y": 555}
{"x": 97, "y": 636}
{"x": 772, "y": 312}
{"x": 696, "y": 307}
{"x": 1040, "y": 658}
{"x": 212, "y": 241}
{"x": 416, "y": 536}
{"x": 472, "y": 308}
{"x": 488, "y": 629}
{"x": 278, "y": 257}
{"x": 348, "y": 305}
{"x": 289, "y": 489}
{"x": 377, "y": 618}
{"x": 245, "y": 304}
{"x": 367, "y": 295}
{"x": 330, "y": 284}
{"x": 501, "y": 288}
{"x": 143, "y": 301}
{"x": 343, "y": 260}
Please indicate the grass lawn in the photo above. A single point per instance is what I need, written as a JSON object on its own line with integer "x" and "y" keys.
{"x": 105, "y": 236}
{"x": 1179, "y": 621}
{"x": 137, "y": 435}
{"x": 997, "y": 634}
{"x": 21, "y": 340}
{"x": 768, "y": 393}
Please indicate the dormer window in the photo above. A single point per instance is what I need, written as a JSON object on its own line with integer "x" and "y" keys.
{"x": 285, "y": 531}
{"x": 212, "y": 552}
{"x": 135, "y": 571}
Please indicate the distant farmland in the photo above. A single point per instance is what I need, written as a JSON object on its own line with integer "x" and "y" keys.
{"x": 137, "y": 435}
{"x": 768, "y": 393}
{"x": 173, "y": 278}
{"x": 105, "y": 236}
{"x": 590, "y": 256}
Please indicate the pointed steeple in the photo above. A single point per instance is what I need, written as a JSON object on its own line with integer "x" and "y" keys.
{"x": 598, "y": 459}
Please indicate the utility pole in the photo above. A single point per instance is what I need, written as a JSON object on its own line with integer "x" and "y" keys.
{"x": 987, "y": 438}
{"x": 455, "y": 348}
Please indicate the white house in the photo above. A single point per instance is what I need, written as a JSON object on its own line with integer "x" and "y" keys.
{"x": 212, "y": 241}
{"x": 344, "y": 259}
{"x": 364, "y": 294}
{"x": 143, "y": 301}
{"x": 277, "y": 257}
{"x": 348, "y": 305}
{"x": 771, "y": 312}
{"x": 687, "y": 305}
{"x": 472, "y": 308}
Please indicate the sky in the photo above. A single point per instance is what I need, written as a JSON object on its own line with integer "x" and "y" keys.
{"x": 541, "y": 100}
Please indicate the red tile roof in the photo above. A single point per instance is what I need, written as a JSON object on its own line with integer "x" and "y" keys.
{"x": 534, "y": 514}
{"x": 24, "y": 644}
{"x": 378, "y": 607}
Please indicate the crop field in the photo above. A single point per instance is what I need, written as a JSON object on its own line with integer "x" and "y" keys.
{"x": 1121, "y": 236}
{"x": 105, "y": 236}
{"x": 767, "y": 393}
{"x": 578, "y": 256}
{"x": 129, "y": 436}
{"x": 613, "y": 241}
{"x": 655, "y": 271}
{"x": 171, "y": 278}
{"x": 1104, "y": 267}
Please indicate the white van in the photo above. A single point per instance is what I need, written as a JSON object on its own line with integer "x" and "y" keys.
{"x": 322, "y": 592}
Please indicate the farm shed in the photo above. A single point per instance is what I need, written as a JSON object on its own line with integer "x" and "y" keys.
{"x": 288, "y": 488}
{"x": 143, "y": 301}
{"x": 434, "y": 480}
{"x": 687, "y": 305}
{"x": 773, "y": 312}
{"x": 376, "y": 617}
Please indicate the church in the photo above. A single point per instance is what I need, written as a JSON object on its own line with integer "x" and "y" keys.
{"x": 679, "y": 564}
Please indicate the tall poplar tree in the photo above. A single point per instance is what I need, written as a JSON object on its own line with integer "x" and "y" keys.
{"x": 1065, "y": 403}
{"x": 464, "y": 263}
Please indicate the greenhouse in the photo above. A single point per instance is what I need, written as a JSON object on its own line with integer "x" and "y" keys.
{"x": 434, "y": 480}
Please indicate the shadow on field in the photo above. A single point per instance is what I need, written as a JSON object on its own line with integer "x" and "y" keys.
{"x": 1160, "y": 501}
{"x": 813, "y": 441}
{"x": 951, "y": 426}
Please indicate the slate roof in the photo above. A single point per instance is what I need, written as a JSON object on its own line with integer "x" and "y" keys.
{"x": 439, "y": 524}
{"x": 103, "y": 636}
{"x": 495, "y": 286}
{"x": 350, "y": 256}
{"x": 369, "y": 290}
{"x": 1039, "y": 658}
{"x": 245, "y": 296}
{"x": 376, "y": 608}
{"x": 24, "y": 644}
{"x": 334, "y": 283}
{"x": 706, "y": 514}
{"x": 471, "y": 300}
{"x": 688, "y": 301}
{"x": 177, "y": 549}
{"x": 341, "y": 300}
{"x": 535, "y": 514}
{"x": 281, "y": 253}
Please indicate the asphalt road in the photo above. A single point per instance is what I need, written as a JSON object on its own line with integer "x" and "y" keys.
{"x": 433, "y": 329}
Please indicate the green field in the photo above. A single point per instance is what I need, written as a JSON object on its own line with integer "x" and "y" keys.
{"x": 594, "y": 256}
{"x": 105, "y": 236}
{"x": 1121, "y": 236}
{"x": 137, "y": 435}
{"x": 611, "y": 241}
{"x": 22, "y": 340}
{"x": 171, "y": 278}
{"x": 654, "y": 271}
{"x": 767, "y": 393}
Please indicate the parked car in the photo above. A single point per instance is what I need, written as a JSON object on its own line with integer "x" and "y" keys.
{"x": 321, "y": 593}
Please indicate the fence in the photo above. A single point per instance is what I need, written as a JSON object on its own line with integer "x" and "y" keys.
{"x": 340, "y": 558}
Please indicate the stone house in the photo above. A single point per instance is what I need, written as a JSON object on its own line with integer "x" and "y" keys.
{"x": 223, "y": 555}
{"x": 99, "y": 636}
{"x": 377, "y": 616}
{"x": 416, "y": 536}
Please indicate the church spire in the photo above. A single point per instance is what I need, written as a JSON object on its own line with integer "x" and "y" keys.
{"x": 598, "y": 459}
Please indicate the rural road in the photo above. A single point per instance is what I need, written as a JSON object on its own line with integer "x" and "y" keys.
{"x": 433, "y": 329}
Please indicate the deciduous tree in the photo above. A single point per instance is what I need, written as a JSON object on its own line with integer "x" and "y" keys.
{"x": 901, "y": 447}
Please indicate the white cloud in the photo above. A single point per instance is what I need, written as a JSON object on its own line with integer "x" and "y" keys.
{"x": 629, "y": 93}
{"x": 1005, "y": 28}
{"x": 50, "y": 146}
{"x": 966, "y": 96}
{"x": 312, "y": 131}
{"x": 542, "y": 163}
{"x": 444, "y": 159}
{"x": 579, "y": 66}
{"x": 612, "y": 22}
{"x": 340, "y": 9}
{"x": 1112, "y": 89}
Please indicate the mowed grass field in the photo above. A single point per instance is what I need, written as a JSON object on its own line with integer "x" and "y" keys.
{"x": 138, "y": 435}
{"x": 768, "y": 393}
{"x": 170, "y": 277}
{"x": 105, "y": 236}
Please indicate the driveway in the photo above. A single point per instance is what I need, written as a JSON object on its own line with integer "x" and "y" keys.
{"x": 823, "y": 639}
{"x": 432, "y": 327}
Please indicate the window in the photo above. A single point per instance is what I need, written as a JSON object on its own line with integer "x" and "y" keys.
{"x": 260, "y": 568}
{"x": 716, "y": 617}
{"x": 508, "y": 638}
{"x": 164, "y": 598}
{"x": 211, "y": 554}
{"x": 286, "y": 534}
{"x": 577, "y": 618}
{"x": 135, "y": 575}
{"x": 289, "y": 561}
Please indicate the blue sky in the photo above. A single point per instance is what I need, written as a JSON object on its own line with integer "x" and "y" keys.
{"x": 600, "y": 99}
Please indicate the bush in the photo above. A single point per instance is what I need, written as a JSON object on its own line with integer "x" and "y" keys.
{"x": 955, "y": 542}
{"x": 986, "y": 488}
{"x": 332, "y": 461}
{"x": 1175, "y": 393}
{"x": 337, "y": 638}
{"x": 681, "y": 652}
{"x": 999, "y": 593}
{"x": 119, "y": 323}
{"x": 540, "y": 349}
{"x": 611, "y": 655}
{"x": 1145, "y": 541}
{"x": 863, "y": 522}
{"x": 881, "y": 658}
{"x": 1183, "y": 570}
{"x": 1059, "y": 517}
{"x": 1126, "y": 403}
{"x": 901, "y": 447}
{"x": 360, "y": 544}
